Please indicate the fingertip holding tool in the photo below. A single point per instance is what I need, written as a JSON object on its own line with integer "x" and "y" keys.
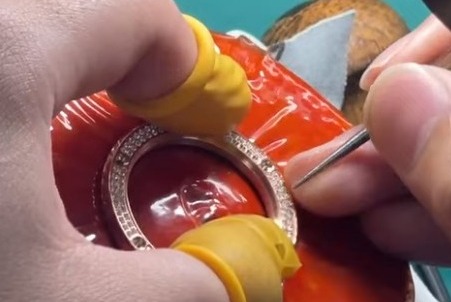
{"x": 346, "y": 148}
{"x": 442, "y": 10}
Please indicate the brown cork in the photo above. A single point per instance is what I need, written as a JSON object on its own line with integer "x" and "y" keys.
{"x": 376, "y": 27}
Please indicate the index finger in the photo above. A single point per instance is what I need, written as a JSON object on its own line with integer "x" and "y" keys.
{"x": 354, "y": 184}
{"x": 427, "y": 44}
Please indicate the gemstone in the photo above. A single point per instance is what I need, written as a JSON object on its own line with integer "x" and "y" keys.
{"x": 137, "y": 139}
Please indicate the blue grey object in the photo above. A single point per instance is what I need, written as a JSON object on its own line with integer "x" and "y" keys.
{"x": 319, "y": 55}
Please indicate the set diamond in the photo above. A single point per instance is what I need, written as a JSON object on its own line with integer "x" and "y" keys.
{"x": 240, "y": 151}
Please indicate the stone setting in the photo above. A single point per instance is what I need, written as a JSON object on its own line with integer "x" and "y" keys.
{"x": 239, "y": 151}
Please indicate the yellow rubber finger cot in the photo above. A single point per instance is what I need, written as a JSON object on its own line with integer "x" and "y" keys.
{"x": 212, "y": 101}
{"x": 248, "y": 248}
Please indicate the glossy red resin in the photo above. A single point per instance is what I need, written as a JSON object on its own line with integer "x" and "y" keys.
{"x": 177, "y": 188}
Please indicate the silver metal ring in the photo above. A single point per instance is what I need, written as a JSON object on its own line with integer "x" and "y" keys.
{"x": 239, "y": 151}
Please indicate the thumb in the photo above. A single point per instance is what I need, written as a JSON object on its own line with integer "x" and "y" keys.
{"x": 408, "y": 116}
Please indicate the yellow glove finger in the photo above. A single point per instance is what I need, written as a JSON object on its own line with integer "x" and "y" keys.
{"x": 249, "y": 253}
{"x": 212, "y": 100}
{"x": 223, "y": 103}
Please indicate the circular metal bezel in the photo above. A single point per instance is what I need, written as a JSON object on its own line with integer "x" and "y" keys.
{"x": 239, "y": 151}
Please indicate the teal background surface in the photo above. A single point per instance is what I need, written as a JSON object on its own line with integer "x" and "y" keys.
{"x": 257, "y": 16}
{"x": 446, "y": 273}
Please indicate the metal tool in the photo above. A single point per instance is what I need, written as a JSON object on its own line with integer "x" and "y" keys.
{"x": 347, "y": 147}
{"x": 433, "y": 281}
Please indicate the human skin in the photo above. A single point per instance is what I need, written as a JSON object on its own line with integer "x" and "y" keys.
{"x": 51, "y": 52}
{"x": 399, "y": 184}
{"x": 54, "y": 51}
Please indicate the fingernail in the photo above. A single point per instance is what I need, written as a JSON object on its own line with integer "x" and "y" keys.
{"x": 382, "y": 60}
{"x": 402, "y": 107}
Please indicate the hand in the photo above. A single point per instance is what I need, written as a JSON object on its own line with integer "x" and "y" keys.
{"x": 400, "y": 186}
{"x": 52, "y": 52}
{"x": 212, "y": 101}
